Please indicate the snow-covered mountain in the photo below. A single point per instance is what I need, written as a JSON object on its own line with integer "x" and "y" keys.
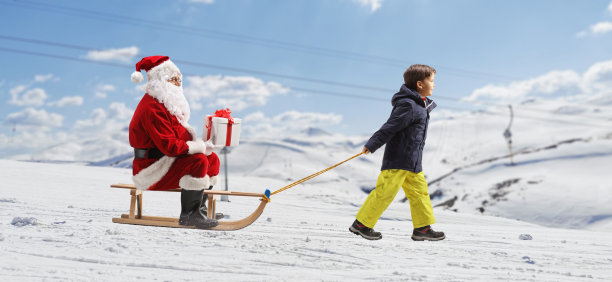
{"x": 99, "y": 149}
{"x": 557, "y": 175}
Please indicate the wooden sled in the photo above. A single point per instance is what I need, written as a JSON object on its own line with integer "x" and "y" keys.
{"x": 136, "y": 217}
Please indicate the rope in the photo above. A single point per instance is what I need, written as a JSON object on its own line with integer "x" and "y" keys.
{"x": 313, "y": 175}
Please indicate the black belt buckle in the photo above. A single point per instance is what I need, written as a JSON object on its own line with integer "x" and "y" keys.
{"x": 140, "y": 153}
{"x": 151, "y": 153}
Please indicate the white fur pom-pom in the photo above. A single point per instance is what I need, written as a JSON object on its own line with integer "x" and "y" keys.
{"x": 137, "y": 77}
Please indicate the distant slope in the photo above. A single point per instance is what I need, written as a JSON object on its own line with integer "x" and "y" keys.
{"x": 558, "y": 144}
{"x": 567, "y": 185}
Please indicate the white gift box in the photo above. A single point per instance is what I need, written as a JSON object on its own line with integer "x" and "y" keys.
{"x": 221, "y": 132}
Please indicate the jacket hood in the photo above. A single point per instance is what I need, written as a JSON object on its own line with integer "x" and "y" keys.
{"x": 406, "y": 92}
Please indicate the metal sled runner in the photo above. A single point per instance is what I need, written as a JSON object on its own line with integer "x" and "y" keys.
{"x": 136, "y": 217}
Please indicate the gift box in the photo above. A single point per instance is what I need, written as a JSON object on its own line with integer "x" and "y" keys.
{"x": 222, "y": 129}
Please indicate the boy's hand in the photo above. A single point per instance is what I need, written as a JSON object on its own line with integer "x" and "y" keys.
{"x": 365, "y": 150}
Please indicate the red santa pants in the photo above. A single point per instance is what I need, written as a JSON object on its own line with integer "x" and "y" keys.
{"x": 198, "y": 166}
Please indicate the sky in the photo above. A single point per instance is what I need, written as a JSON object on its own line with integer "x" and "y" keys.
{"x": 283, "y": 66}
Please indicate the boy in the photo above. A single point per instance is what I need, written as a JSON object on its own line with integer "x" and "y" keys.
{"x": 404, "y": 133}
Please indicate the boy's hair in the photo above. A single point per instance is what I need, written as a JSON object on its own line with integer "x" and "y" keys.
{"x": 417, "y": 73}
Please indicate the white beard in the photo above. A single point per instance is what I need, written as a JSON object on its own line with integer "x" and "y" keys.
{"x": 171, "y": 96}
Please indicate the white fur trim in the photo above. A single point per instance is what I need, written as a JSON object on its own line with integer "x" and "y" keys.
{"x": 163, "y": 71}
{"x": 137, "y": 77}
{"x": 213, "y": 180}
{"x": 152, "y": 174}
{"x": 189, "y": 182}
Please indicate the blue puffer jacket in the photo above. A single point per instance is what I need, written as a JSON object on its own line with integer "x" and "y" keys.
{"x": 404, "y": 132}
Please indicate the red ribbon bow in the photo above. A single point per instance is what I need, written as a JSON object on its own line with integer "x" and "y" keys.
{"x": 224, "y": 113}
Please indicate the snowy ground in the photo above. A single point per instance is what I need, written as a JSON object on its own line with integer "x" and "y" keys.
{"x": 55, "y": 219}
{"x": 67, "y": 234}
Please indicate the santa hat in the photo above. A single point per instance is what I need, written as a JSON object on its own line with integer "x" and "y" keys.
{"x": 157, "y": 68}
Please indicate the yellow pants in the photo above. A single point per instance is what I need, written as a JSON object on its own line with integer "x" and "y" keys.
{"x": 387, "y": 186}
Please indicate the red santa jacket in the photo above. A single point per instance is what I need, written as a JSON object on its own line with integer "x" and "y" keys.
{"x": 153, "y": 126}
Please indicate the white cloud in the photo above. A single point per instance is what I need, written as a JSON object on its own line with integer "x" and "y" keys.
{"x": 234, "y": 92}
{"x": 67, "y": 101}
{"x": 582, "y": 34}
{"x": 97, "y": 117}
{"x": 306, "y": 119}
{"x": 601, "y": 28}
{"x": 119, "y": 111}
{"x": 287, "y": 123}
{"x": 121, "y": 54}
{"x": 43, "y": 77}
{"x": 31, "y": 117}
{"x": 373, "y": 5}
{"x": 598, "y": 28}
{"x": 103, "y": 89}
{"x": 136, "y": 90}
{"x": 202, "y": 1}
{"x": 101, "y": 121}
{"x": 15, "y": 91}
{"x": 255, "y": 117}
{"x": 596, "y": 79}
{"x": 32, "y": 97}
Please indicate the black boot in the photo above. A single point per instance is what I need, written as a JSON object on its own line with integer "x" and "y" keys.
{"x": 364, "y": 231}
{"x": 426, "y": 233}
{"x": 190, "y": 210}
{"x": 204, "y": 210}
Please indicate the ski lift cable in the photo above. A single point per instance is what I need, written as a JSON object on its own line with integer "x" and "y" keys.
{"x": 264, "y": 73}
{"x": 232, "y": 37}
{"x": 270, "y": 74}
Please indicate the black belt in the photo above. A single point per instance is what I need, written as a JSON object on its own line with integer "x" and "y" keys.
{"x": 151, "y": 153}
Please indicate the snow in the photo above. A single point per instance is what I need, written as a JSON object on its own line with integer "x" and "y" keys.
{"x": 23, "y": 221}
{"x": 543, "y": 215}
{"x": 302, "y": 235}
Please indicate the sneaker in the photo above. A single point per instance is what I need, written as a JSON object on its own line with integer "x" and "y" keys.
{"x": 426, "y": 233}
{"x": 364, "y": 231}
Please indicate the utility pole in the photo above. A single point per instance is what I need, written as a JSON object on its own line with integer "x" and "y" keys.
{"x": 225, "y": 150}
{"x": 508, "y": 135}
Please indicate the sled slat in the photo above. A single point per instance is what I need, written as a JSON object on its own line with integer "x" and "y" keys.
{"x": 214, "y": 192}
{"x": 226, "y": 225}
{"x": 149, "y": 222}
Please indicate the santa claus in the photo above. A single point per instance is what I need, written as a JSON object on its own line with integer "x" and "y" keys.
{"x": 167, "y": 152}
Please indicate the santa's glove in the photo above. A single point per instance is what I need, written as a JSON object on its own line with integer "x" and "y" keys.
{"x": 210, "y": 147}
{"x": 196, "y": 147}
